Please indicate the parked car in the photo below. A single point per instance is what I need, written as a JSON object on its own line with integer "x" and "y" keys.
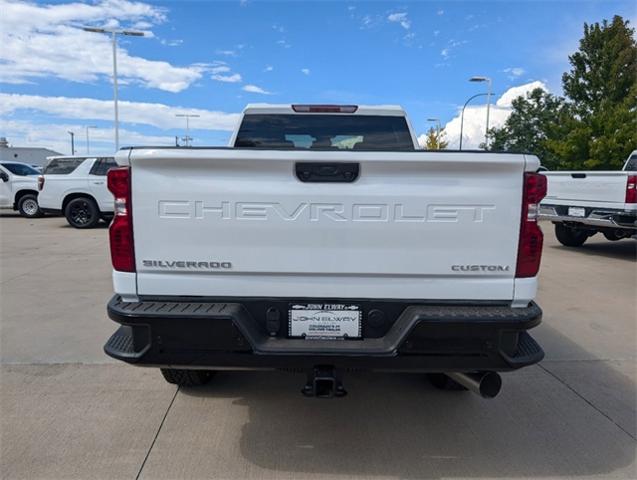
{"x": 76, "y": 188}
{"x": 324, "y": 240}
{"x": 19, "y": 188}
{"x": 582, "y": 204}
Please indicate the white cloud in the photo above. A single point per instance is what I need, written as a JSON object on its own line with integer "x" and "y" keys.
{"x": 234, "y": 78}
{"x": 306, "y": 71}
{"x": 514, "y": 72}
{"x": 219, "y": 67}
{"x": 451, "y": 45}
{"x": 515, "y": 92}
{"x": 401, "y": 18}
{"x": 268, "y": 68}
{"x": 171, "y": 43}
{"x": 283, "y": 43}
{"x": 440, "y": 12}
{"x": 255, "y": 89}
{"x": 46, "y": 40}
{"x": 475, "y": 118}
{"x": 154, "y": 114}
{"x": 227, "y": 53}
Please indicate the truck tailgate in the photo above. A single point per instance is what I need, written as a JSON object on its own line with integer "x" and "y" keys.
{"x": 239, "y": 223}
{"x": 590, "y": 188}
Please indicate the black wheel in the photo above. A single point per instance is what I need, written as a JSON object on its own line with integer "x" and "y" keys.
{"x": 443, "y": 382}
{"x": 569, "y": 236}
{"x": 28, "y": 206}
{"x": 82, "y": 212}
{"x": 187, "y": 378}
{"x": 612, "y": 235}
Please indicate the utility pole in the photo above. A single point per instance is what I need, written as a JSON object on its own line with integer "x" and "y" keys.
{"x": 88, "y": 145}
{"x": 72, "y": 142}
{"x": 114, "y": 34}
{"x": 489, "y": 82}
{"x": 187, "y": 116}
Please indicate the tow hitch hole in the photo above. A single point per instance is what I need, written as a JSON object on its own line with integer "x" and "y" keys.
{"x": 323, "y": 382}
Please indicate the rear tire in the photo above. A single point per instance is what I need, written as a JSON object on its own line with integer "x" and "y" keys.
{"x": 28, "y": 206}
{"x": 569, "y": 236}
{"x": 187, "y": 378}
{"x": 82, "y": 212}
{"x": 612, "y": 236}
{"x": 443, "y": 382}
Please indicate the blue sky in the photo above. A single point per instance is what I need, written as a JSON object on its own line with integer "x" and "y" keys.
{"x": 212, "y": 58}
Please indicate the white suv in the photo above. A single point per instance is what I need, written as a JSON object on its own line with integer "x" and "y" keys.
{"x": 18, "y": 188}
{"x": 76, "y": 188}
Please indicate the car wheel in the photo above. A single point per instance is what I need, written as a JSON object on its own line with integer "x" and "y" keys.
{"x": 187, "y": 378}
{"x": 569, "y": 236}
{"x": 82, "y": 212}
{"x": 612, "y": 236}
{"x": 28, "y": 206}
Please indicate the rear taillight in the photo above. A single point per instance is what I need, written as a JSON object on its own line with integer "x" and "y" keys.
{"x": 531, "y": 237}
{"x": 631, "y": 189}
{"x": 121, "y": 229}
{"x": 40, "y": 182}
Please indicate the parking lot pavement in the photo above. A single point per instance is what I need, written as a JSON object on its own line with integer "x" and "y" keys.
{"x": 67, "y": 411}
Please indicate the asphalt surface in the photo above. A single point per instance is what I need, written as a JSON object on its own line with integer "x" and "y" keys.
{"x": 68, "y": 411}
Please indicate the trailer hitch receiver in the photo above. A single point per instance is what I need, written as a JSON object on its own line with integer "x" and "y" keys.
{"x": 323, "y": 381}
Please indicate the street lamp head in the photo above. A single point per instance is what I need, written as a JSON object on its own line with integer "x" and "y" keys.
{"x": 94, "y": 29}
{"x": 433, "y": 119}
{"x": 479, "y": 79}
{"x": 131, "y": 33}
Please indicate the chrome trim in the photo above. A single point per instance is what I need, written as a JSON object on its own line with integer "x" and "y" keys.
{"x": 596, "y": 218}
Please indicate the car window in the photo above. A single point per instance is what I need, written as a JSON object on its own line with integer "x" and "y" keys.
{"x": 324, "y": 132}
{"x": 20, "y": 169}
{"x": 62, "y": 166}
{"x": 102, "y": 166}
{"x": 631, "y": 164}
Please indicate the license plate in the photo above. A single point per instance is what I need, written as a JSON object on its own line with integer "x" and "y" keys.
{"x": 576, "y": 212}
{"x": 324, "y": 321}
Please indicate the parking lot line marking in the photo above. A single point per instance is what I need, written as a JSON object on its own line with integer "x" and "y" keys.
{"x": 586, "y": 400}
{"x": 161, "y": 424}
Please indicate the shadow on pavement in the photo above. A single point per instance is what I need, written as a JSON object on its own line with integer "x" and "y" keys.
{"x": 397, "y": 425}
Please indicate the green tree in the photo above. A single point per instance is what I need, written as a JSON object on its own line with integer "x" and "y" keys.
{"x": 595, "y": 126}
{"x": 537, "y": 120}
{"x": 602, "y": 88}
{"x": 436, "y": 140}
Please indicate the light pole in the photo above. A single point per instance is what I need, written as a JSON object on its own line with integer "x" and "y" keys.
{"x": 488, "y": 80}
{"x": 462, "y": 116}
{"x": 72, "y": 142}
{"x": 187, "y": 116}
{"x": 114, "y": 34}
{"x": 88, "y": 145}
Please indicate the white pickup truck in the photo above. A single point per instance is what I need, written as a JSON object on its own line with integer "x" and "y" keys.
{"x": 18, "y": 188}
{"x": 76, "y": 188}
{"x": 323, "y": 239}
{"x": 581, "y": 204}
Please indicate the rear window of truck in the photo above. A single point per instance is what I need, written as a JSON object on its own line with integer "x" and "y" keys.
{"x": 324, "y": 132}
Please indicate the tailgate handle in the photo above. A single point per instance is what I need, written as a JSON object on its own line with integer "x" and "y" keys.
{"x": 578, "y": 175}
{"x": 314, "y": 172}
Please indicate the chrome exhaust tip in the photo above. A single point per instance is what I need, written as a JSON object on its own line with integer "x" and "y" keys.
{"x": 485, "y": 384}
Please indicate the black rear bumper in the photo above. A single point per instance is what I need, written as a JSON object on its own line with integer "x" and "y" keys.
{"x": 242, "y": 334}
